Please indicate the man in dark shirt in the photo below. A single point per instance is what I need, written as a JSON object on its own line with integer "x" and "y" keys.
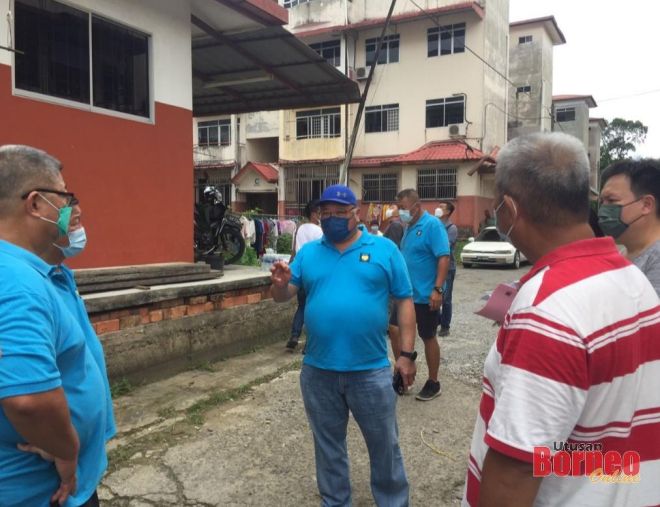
{"x": 394, "y": 229}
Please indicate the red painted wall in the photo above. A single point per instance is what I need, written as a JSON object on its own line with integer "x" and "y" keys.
{"x": 133, "y": 179}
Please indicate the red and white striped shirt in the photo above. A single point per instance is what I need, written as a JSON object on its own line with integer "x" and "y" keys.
{"x": 577, "y": 360}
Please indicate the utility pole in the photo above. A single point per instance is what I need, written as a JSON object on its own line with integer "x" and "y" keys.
{"x": 343, "y": 171}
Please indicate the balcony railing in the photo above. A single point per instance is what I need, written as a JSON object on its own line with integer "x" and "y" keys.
{"x": 204, "y": 155}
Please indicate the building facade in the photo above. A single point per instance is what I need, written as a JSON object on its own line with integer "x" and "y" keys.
{"x": 97, "y": 84}
{"x": 571, "y": 116}
{"x": 531, "y": 49}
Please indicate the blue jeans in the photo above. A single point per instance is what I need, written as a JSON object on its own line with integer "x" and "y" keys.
{"x": 328, "y": 397}
{"x": 445, "y": 313}
{"x": 299, "y": 317}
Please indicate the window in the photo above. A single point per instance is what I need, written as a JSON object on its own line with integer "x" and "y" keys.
{"x": 330, "y": 50}
{"x": 523, "y": 89}
{"x": 379, "y": 187}
{"x": 292, "y": 3}
{"x": 56, "y": 41}
{"x": 436, "y": 183}
{"x": 214, "y": 133}
{"x": 389, "y": 51}
{"x": 318, "y": 123}
{"x": 120, "y": 68}
{"x": 446, "y": 40}
{"x": 525, "y": 39}
{"x": 306, "y": 183}
{"x": 381, "y": 118}
{"x": 443, "y": 112}
{"x": 565, "y": 114}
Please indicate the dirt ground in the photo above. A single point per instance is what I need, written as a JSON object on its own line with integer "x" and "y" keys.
{"x": 234, "y": 433}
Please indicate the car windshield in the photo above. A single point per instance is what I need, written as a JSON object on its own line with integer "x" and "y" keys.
{"x": 489, "y": 235}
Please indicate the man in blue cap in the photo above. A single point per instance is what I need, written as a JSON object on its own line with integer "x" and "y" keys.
{"x": 349, "y": 276}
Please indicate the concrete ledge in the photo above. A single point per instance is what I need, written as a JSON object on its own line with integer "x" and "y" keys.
{"x": 126, "y": 298}
{"x": 149, "y": 352}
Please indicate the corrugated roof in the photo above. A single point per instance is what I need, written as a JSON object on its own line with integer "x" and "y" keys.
{"x": 244, "y": 62}
{"x": 269, "y": 172}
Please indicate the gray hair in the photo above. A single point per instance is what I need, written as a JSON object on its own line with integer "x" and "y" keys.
{"x": 22, "y": 168}
{"x": 547, "y": 175}
{"x": 408, "y": 193}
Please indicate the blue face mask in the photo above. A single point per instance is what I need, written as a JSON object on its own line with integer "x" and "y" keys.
{"x": 405, "y": 216}
{"x": 77, "y": 243}
{"x": 336, "y": 229}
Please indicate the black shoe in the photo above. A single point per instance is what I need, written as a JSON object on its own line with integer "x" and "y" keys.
{"x": 444, "y": 331}
{"x": 430, "y": 390}
{"x": 292, "y": 344}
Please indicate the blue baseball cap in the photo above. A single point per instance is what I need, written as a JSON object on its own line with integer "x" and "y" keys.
{"x": 339, "y": 194}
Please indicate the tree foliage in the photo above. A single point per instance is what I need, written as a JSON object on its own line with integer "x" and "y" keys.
{"x": 620, "y": 140}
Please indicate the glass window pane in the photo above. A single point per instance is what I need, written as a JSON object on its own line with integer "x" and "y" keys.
{"x": 120, "y": 68}
{"x": 372, "y": 121}
{"x": 394, "y": 51}
{"x": 445, "y": 42}
{"x": 55, "y": 42}
{"x": 435, "y": 116}
{"x": 459, "y": 41}
{"x": 302, "y": 130}
{"x": 432, "y": 44}
{"x": 454, "y": 113}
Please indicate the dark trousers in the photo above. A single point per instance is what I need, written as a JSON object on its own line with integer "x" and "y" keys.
{"x": 92, "y": 502}
{"x": 299, "y": 317}
{"x": 445, "y": 313}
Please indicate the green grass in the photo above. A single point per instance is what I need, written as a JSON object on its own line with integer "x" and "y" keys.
{"x": 458, "y": 249}
{"x": 121, "y": 387}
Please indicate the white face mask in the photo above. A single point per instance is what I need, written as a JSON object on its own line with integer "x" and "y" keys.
{"x": 77, "y": 243}
{"x": 389, "y": 213}
{"x": 438, "y": 212}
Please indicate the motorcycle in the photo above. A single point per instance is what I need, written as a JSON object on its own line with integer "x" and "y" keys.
{"x": 217, "y": 229}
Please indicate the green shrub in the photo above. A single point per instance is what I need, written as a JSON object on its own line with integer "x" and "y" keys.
{"x": 249, "y": 257}
{"x": 284, "y": 243}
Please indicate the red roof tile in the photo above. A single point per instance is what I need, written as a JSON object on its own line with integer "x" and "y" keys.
{"x": 306, "y": 30}
{"x": 269, "y": 172}
{"x": 589, "y": 99}
{"x": 435, "y": 151}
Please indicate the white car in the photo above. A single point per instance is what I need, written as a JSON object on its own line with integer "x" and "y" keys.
{"x": 490, "y": 249}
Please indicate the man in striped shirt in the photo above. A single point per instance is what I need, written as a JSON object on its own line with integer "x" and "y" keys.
{"x": 576, "y": 363}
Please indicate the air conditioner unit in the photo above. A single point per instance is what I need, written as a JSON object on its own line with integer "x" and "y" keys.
{"x": 457, "y": 130}
{"x": 361, "y": 73}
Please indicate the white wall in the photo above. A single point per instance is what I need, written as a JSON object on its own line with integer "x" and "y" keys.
{"x": 168, "y": 24}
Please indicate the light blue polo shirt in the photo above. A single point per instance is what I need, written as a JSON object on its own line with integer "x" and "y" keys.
{"x": 422, "y": 245}
{"x": 42, "y": 347}
{"x": 65, "y": 283}
{"x": 346, "y": 312}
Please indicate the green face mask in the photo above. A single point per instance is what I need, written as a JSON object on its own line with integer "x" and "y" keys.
{"x": 63, "y": 218}
{"x": 609, "y": 219}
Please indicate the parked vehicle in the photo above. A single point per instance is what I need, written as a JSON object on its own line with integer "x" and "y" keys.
{"x": 217, "y": 230}
{"x": 490, "y": 248}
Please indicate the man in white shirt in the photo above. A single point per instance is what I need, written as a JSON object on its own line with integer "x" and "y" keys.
{"x": 306, "y": 232}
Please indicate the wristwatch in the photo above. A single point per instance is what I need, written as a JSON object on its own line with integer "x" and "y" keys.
{"x": 438, "y": 290}
{"x": 410, "y": 355}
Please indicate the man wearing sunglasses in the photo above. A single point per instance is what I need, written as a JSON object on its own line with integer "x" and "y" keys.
{"x": 50, "y": 384}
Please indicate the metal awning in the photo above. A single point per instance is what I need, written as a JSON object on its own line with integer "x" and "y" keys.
{"x": 258, "y": 67}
